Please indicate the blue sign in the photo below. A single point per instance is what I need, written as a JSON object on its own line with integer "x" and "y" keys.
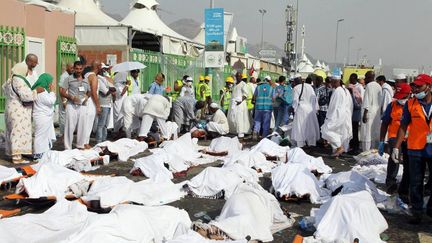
{"x": 214, "y": 29}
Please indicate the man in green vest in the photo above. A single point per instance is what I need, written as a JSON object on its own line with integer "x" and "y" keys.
{"x": 205, "y": 91}
{"x": 135, "y": 87}
{"x": 226, "y": 94}
{"x": 198, "y": 88}
{"x": 178, "y": 85}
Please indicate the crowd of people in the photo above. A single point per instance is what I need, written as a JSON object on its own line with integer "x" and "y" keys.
{"x": 366, "y": 113}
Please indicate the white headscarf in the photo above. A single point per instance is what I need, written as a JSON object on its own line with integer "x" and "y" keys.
{"x": 20, "y": 69}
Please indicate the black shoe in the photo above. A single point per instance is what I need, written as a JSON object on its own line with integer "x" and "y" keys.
{"x": 415, "y": 219}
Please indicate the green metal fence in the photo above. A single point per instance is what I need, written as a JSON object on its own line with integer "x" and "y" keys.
{"x": 12, "y": 51}
{"x": 66, "y": 53}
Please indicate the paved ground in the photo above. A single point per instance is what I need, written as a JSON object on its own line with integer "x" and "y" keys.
{"x": 399, "y": 230}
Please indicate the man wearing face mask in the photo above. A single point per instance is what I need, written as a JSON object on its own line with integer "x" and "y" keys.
{"x": 417, "y": 115}
{"x": 390, "y": 125}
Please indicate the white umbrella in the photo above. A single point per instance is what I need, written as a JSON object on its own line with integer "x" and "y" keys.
{"x": 127, "y": 66}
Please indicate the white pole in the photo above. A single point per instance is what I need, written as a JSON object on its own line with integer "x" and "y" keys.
{"x": 296, "y": 37}
{"x": 211, "y": 3}
{"x": 336, "y": 42}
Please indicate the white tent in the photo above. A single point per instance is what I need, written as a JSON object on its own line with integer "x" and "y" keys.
{"x": 200, "y": 37}
{"x": 305, "y": 66}
{"x": 94, "y": 27}
{"x": 144, "y": 18}
{"x": 87, "y": 13}
{"x": 318, "y": 65}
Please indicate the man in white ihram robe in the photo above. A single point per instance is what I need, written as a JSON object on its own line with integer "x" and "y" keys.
{"x": 371, "y": 107}
{"x": 132, "y": 111}
{"x": 305, "y": 128}
{"x": 337, "y": 128}
{"x": 238, "y": 114}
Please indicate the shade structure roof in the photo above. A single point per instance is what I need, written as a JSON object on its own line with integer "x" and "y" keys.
{"x": 88, "y": 13}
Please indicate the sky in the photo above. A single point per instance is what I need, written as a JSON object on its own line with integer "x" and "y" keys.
{"x": 396, "y": 31}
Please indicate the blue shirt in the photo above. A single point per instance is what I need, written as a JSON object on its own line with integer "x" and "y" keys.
{"x": 406, "y": 120}
{"x": 288, "y": 94}
{"x": 156, "y": 88}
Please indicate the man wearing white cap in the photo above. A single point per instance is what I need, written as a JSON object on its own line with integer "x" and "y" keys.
{"x": 305, "y": 129}
{"x": 401, "y": 78}
{"x": 187, "y": 87}
{"x": 337, "y": 128}
{"x": 219, "y": 122}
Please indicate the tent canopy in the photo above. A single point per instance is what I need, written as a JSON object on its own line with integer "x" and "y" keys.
{"x": 87, "y": 13}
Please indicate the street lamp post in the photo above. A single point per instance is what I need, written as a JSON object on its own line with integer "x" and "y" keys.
{"x": 211, "y": 3}
{"x": 262, "y": 12}
{"x": 349, "y": 49}
{"x": 336, "y": 43}
{"x": 358, "y": 54}
{"x": 296, "y": 37}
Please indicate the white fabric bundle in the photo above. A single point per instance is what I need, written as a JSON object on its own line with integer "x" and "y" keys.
{"x": 153, "y": 166}
{"x": 194, "y": 237}
{"x": 371, "y": 157}
{"x": 7, "y": 174}
{"x": 270, "y": 148}
{"x": 350, "y": 216}
{"x": 112, "y": 191}
{"x": 184, "y": 147}
{"x": 297, "y": 155}
{"x": 68, "y": 158}
{"x": 250, "y": 159}
{"x": 225, "y": 144}
{"x": 212, "y": 180}
{"x": 354, "y": 182}
{"x": 50, "y": 180}
{"x": 251, "y": 211}
{"x": 296, "y": 179}
{"x": 125, "y": 148}
{"x": 70, "y": 222}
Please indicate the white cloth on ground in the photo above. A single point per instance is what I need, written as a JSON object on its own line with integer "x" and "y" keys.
{"x": 346, "y": 217}
{"x": 298, "y": 155}
{"x": 70, "y": 222}
{"x": 212, "y": 180}
{"x": 225, "y": 144}
{"x": 250, "y": 159}
{"x": 297, "y": 180}
{"x": 251, "y": 211}
{"x": 50, "y": 180}
{"x": 270, "y": 148}
{"x": 68, "y": 158}
{"x": 8, "y": 174}
{"x": 125, "y": 148}
{"x": 351, "y": 182}
{"x": 337, "y": 128}
{"x": 112, "y": 191}
{"x": 305, "y": 128}
{"x": 377, "y": 173}
{"x": 194, "y": 237}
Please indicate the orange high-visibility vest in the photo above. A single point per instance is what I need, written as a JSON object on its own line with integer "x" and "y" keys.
{"x": 396, "y": 115}
{"x": 419, "y": 126}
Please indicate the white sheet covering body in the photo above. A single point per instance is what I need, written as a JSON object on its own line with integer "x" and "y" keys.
{"x": 350, "y": 216}
{"x": 354, "y": 182}
{"x": 70, "y": 222}
{"x": 297, "y": 180}
{"x": 250, "y": 159}
{"x": 270, "y": 148}
{"x": 251, "y": 211}
{"x": 125, "y": 148}
{"x": 298, "y": 155}
{"x": 225, "y": 144}
{"x": 43, "y": 117}
{"x": 212, "y": 180}
{"x": 337, "y": 128}
{"x": 7, "y": 174}
{"x": 305, "y": 128}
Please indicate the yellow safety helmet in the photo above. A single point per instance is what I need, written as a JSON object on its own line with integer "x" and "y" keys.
{"x": 230, "y": 80}
{"x": 244, "y": 75}
{"x": 320, "y": 72}
{"x": 207, "y": 78}
{"x": 201, "y": 78}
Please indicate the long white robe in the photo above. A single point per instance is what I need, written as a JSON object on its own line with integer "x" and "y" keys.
{"x": 219, "y": 123}
{"x": 372, "y": 101}
{"x": 43, "y": 117}
{"x": 119, "y": 80}
{"x": 132, "y": 110}
{"x": 305, "y": 128}
{"x": 238, "y": 115}
{"x": 387, "y": 96}
{"x": 337, "y": 128}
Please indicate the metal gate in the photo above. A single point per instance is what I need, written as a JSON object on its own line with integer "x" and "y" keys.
{"x": 151, "y": 60}
{"x": 66, "y": 53}
{"x": 12, "y": 51}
